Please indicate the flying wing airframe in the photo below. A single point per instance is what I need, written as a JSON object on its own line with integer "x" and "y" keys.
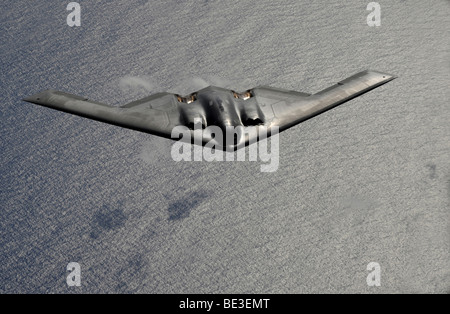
{"x": 261, "y": 106}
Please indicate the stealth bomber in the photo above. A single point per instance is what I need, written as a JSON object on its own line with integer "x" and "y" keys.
{"x": 260, "y": 107}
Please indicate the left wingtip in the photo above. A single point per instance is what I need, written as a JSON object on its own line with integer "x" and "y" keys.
{"x": 37, "y": 98}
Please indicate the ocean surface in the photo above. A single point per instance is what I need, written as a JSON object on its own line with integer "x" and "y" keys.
{"x": 368, "y": 181}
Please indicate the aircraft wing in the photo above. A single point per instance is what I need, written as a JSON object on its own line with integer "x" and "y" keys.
{"x": 157, "y": 114}
{"x": 288, "y": 108}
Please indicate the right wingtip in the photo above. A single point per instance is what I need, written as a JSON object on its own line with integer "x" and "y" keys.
{"x": 385, "y": 75}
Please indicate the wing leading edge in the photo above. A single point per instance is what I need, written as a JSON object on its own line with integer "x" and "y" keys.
{"x": 160, "y": 113}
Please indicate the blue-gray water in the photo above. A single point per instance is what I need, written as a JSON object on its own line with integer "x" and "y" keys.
{"x": 368, "y": 181}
